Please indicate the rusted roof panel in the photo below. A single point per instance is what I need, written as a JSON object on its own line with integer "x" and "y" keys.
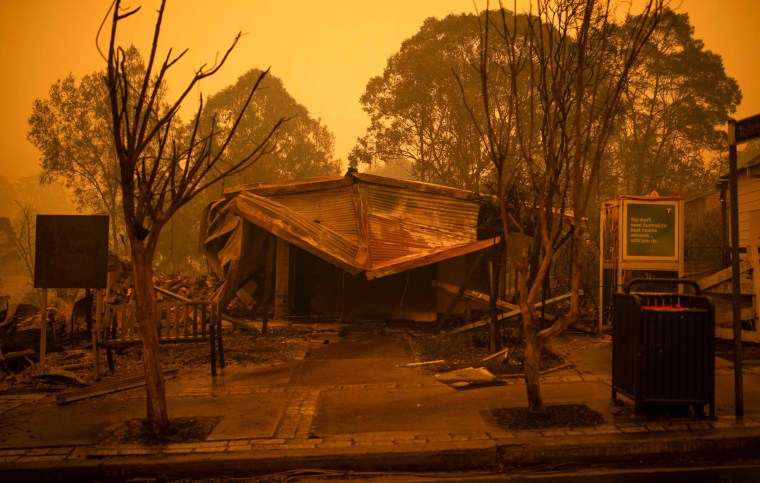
{"x": 333, "y": 208}
{"x": 294, "y": 228}
{"x": 404, "y": 222}
{"x": 426, "y": 258}
{"x": 357, "y": 222}
{"x": 289, "y": 187}
{"x": 420, "y": 186}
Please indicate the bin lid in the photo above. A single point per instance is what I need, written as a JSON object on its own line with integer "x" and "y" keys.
{"x": 671, "y": 308}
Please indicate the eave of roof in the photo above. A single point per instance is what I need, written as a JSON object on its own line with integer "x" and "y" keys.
{"x": 331, "y": 182}
{"x": 420, "y": 260}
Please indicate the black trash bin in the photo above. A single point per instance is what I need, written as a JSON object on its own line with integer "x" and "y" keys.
{"x": 663, "y": 348}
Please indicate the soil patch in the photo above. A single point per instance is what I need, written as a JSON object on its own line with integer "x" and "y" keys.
{"x": 557, "y": 416}
{"x": 182, "y": 430}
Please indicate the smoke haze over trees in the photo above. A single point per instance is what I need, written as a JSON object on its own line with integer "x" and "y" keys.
{"x": 670, "y": 132}
{"x": 72, "y": 130}
{"x": 674, "y": 113}
{"x": 416, "y": 108}
{"x": 302, "y": 147}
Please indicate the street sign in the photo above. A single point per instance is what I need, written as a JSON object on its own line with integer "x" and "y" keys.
{"x": 71, "y": 251}
{"x": 745, "y": 130}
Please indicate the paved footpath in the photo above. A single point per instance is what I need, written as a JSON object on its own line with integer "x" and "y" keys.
{"x": 347, "y": 406}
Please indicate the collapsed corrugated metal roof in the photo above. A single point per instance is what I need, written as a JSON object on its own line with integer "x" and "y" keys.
{"x": 360, "y": 222}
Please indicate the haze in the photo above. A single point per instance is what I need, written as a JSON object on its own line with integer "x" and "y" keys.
{"x": 325, "y": 52}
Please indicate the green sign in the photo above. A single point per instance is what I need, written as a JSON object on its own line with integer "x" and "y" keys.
{"x": 650, "y": 230}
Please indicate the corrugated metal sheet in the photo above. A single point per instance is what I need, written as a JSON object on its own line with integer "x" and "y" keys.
{"x": 333, "y": 208}
{"x": 294, "y": 228}
{"x": 359, "y": 223}
{"x": 404, "y": 222}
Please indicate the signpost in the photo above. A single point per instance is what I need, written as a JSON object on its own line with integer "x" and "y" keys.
{"x": 644, "y": 233}
{"x": 738, "y": 132}
{"x": 71, "y": 251}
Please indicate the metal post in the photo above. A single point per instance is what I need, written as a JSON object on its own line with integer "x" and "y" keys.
{"x": 724, "y": 257}
{"x": 602, "y": 249}
{"x": 735, "y": 275}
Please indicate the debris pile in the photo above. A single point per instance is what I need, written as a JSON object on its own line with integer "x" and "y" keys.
{"x": 190, "y": 287}
{"x": 198, "y": 287}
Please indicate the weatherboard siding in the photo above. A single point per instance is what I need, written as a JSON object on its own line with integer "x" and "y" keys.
{"x": 749, "y": 201}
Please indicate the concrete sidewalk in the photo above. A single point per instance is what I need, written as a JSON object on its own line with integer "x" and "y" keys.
{"x": 348, "y": 406}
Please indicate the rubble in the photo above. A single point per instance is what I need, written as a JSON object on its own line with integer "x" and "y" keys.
{"x": 192, "y": 287}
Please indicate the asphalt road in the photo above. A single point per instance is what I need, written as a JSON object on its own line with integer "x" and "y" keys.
{"x": 689, "y": 473}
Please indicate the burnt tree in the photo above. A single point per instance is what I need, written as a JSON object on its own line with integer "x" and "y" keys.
{"x": 567, "y": 64}
{"x": 162, "y": 165}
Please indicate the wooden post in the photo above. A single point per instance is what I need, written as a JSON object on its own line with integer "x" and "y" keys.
{"x": 216, "y": 312}
{"x": 267, "y": 298}
{"x": 43, "y": 327}
{"x": 281, "y": 281}
{"x": 95, "y": 330}
{"x": 212, "y": 341}
{"x": 88, "y": 315}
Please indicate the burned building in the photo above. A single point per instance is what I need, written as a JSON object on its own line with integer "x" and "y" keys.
{"x": 357, "y": 247}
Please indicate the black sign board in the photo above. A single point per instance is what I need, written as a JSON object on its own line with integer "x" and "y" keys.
{"x": 746, "y": 129}
{"x": 71, "y": 251}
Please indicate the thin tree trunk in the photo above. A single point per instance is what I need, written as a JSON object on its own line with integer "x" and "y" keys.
{"x": 113, "y": 209}
{"x": 495, "y": 329}
{"x": 145, "y": 310}
{"x": 531, "y": 368}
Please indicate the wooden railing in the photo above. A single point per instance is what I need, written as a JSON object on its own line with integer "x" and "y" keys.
{"x": 178, "y": 321}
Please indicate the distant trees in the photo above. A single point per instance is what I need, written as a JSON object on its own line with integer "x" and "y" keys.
{"x": 673, "y": 115}
{"x": 301, "y": 148}
{"x": 8, "y": 251}
{"x": 72, "y": 131}
{"x": 47, "y": 198}
{"x": 416, "y": 108}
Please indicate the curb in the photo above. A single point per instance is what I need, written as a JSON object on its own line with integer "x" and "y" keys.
{"x": 628, "y": 448}
{"x": 432, "y": 456}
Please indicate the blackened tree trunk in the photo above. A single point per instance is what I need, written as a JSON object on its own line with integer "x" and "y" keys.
{"x": 146, "y": 314}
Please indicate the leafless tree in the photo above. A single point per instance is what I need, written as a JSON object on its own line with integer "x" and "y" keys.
{"x": 566, "y": 70}
{"x": 161, "y": 171}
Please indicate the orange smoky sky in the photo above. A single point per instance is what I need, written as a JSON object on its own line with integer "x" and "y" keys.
{"x": 324, "y": 51}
